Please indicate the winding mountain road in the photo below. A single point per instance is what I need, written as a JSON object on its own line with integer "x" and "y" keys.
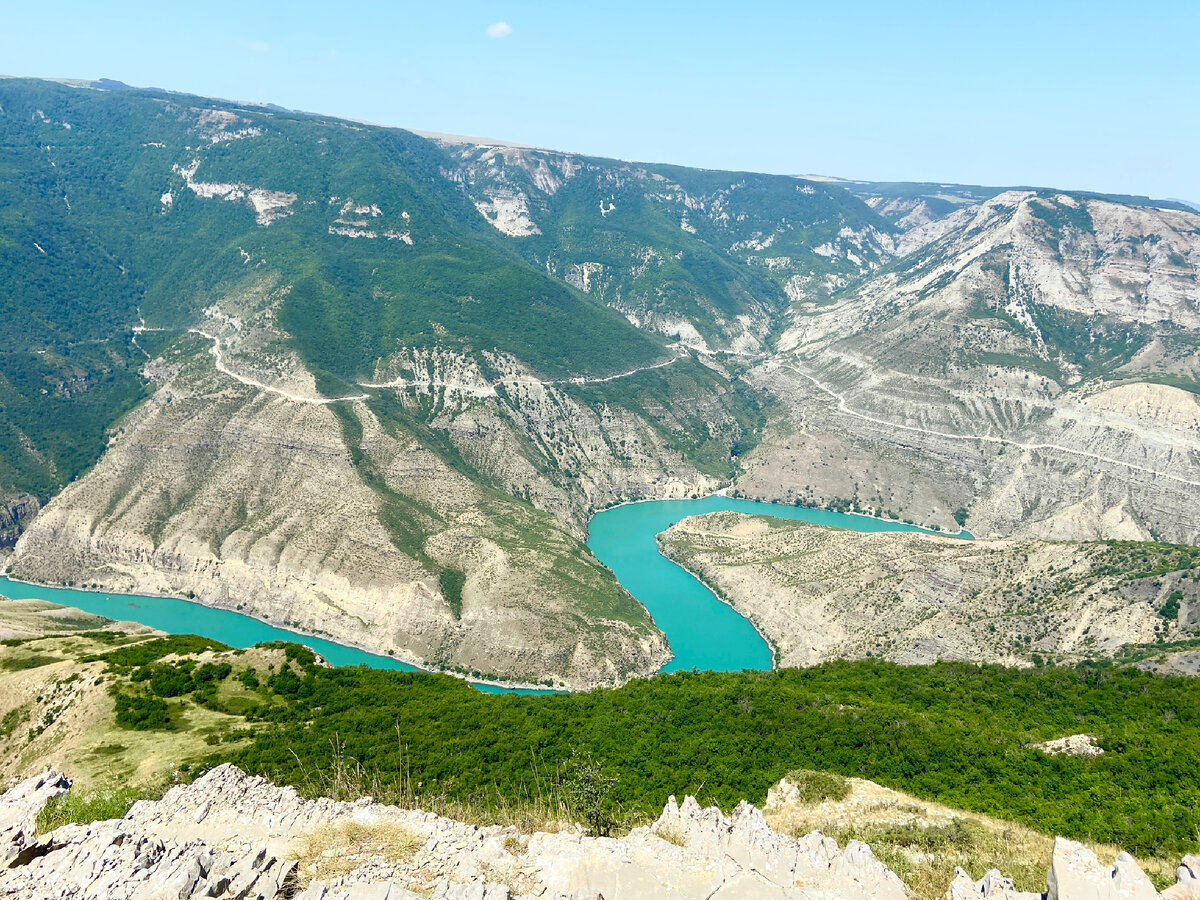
{"x": 844, "y": 407}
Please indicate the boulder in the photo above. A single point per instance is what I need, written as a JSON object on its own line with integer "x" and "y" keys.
{"x": 19, "y": 811}
{"x": 1076, "y": 874}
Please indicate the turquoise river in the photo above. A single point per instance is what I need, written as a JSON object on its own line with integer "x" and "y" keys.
{"x": 703, "y": 632}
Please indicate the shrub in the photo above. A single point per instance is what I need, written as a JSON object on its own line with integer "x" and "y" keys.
{"x": 814, "y": 786}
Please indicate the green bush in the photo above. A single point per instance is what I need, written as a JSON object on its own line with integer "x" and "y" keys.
{"x": 142, "y": 713}
{"x": 79, "y": 808}
{"x": 815, "y": 787}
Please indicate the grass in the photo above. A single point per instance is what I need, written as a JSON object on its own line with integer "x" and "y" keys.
{"x": 348, "y": 779}
{"x": 924, "y": 843}
{"x": 84, "y": 807}
{"x": 813, "y": 786}
{"x": 336, "y": 850}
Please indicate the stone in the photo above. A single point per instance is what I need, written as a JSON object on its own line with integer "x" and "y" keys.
{"x": 19, "y": 812}
{"x": 1076, "y": 874}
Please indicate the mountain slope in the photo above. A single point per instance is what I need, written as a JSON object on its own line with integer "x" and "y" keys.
{"x": 819, "y": 594}
{"x": 379, "y": 389}
{"x": 1033, "y": 359}
{"x": 713, "y": 258}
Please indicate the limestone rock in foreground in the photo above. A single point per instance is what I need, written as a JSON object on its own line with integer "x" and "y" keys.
{"x": 232, "y": 835}
{"x": 19, "y": 811}
{"x": 992, "y": 886}
{"x": 1076, "y": 874}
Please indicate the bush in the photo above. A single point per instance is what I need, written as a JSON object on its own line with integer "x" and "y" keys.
{"x": 814, "y": 786}
{"x": 142, "y": 713}
{"x": 587, "y": 792}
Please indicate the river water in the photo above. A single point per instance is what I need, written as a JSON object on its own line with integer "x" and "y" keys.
{"x": 703, "y": 632}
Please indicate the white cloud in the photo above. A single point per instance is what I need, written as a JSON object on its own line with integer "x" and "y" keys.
{"x": 499, "y": 30}
{"x": 257, "y": 46}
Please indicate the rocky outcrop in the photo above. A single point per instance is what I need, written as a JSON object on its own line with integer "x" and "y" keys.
{"x": 1076, "y": 874}
{"x": 1072, "y": 745}
{"x": 16, "y": 510}
{"x": 992, "y": 886}
{"x": 232, "y": 835}
{"x": 19, "y": 810}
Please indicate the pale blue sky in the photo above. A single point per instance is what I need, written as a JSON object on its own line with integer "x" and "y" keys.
{"x": 1101, "y": 96}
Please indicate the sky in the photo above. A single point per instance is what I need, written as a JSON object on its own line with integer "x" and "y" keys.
{"x": 1101, "y": 96}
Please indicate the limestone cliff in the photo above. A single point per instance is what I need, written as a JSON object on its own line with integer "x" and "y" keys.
{"x": 1032, "y": 360}
{"x": 242, "y": 496}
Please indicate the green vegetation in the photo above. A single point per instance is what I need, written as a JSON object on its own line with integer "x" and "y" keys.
{"x": 1142, "y": 559}
{"x": 141, "y": 712}
{"x": 77, "y": 807}
{"x": 452, "y": 581}
{"x": 816, "y": 787}
{"x": 956, "y": 733}
{"x": 124, "y": 659}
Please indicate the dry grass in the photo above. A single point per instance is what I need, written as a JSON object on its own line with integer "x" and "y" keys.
{"x": 671, "y": 836}
{"x": 337, "y": 850}
{"x": 923, "y": 843}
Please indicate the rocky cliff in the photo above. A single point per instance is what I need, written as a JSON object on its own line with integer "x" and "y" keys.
{"x": 230, "y": 835}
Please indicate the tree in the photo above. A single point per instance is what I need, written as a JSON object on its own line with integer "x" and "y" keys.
{"x": 587, "y": 792}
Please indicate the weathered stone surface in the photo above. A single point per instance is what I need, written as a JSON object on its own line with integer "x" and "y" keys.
{"x": 19, "y": 812}
{"x": 1076, "y": 874}
{"x": 235, "y": 836}
{"x": 1072, "y": 745}
{"x": 992, "y": 886}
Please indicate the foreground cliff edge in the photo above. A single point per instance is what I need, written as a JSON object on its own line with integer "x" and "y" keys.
{"x": 232, "y": 835}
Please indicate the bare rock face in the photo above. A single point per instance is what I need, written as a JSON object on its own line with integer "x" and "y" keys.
{"x": 1076, "y": 874}
{"x": 19, "y": 811}
{"x": 232, "y": 835}
{"x": 1072, "y": 745}
{"x": 992, "y": 886}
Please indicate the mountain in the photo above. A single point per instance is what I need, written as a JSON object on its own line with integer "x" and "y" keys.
{"x": 316, "y": 259}
{"x": 372, "y": 385}
{"x": 911, "y": 204}
{"x": 1031, "y": 359}
{"x": 712, "y": 258}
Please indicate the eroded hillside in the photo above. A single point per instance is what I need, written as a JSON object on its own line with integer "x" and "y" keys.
{"x": 1032, "y": 361}
{"x": 818, "y": 593}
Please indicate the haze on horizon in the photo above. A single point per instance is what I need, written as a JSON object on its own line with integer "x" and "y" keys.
{"x": 1092, "y": 96}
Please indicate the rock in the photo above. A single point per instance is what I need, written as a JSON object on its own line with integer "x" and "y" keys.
{"x": 1187, "y": 884}
{"x": 19, "y": 812}
{"x": 992, "y": 885}
{"x": 1073, "y": 745}
{"x": 1076, "y": 874}
{"x": 232, "y": 835}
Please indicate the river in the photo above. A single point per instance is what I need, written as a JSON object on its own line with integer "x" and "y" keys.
{"x": 703, "y": 632}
